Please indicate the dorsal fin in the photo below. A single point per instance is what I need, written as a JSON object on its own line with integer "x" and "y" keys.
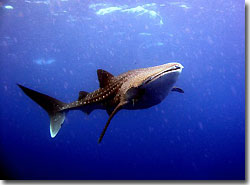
{"x": 82, "y": 94}
{"x": 103, "y": 77}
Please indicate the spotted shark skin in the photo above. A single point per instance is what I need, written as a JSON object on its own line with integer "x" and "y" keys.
{"x": 135, "y": 89}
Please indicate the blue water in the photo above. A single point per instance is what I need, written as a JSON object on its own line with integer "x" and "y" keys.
{"x": 56, "y": 46}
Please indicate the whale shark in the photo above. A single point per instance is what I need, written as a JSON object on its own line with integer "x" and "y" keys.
{"x": 132, "y": 90}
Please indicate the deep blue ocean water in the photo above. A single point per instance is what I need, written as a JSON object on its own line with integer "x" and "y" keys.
{"x": 56, "y": 46}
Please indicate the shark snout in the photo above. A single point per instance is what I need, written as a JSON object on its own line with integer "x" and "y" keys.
{"x": 179, "y": 66}
{"x": 174, "y": 65}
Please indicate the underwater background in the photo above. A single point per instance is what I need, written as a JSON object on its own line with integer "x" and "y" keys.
{"x": 56, "y": 46}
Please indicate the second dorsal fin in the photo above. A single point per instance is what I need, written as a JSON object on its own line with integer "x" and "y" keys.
{"x": 82, "y": 94}
{"x": 103, "y": 77}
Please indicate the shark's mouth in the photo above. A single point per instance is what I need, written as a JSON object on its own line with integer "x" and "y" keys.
{"x": 172, "y": 69}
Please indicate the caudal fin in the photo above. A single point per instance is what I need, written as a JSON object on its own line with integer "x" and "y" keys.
{"x": 51, "y": 105}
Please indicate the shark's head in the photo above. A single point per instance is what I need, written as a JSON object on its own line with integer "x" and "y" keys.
{"x": 163, "y": 75}
{"x": 161, "y": 80}
{"x": 156, "y": 83}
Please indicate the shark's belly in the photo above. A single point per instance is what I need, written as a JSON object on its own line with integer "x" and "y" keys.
{"x": 155, "y": 93}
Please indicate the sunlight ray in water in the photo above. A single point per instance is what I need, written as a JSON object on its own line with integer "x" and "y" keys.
{"x": 146, "y": 9}
{"x": 43, "y": 61}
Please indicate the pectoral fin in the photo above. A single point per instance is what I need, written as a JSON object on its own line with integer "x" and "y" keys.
{"x": 177, "y": 89}
{"x": 118, "y": 107}
{"x": 110, "y": 110}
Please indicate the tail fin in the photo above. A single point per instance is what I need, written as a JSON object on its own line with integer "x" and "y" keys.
{"x": 51, "y": 105}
